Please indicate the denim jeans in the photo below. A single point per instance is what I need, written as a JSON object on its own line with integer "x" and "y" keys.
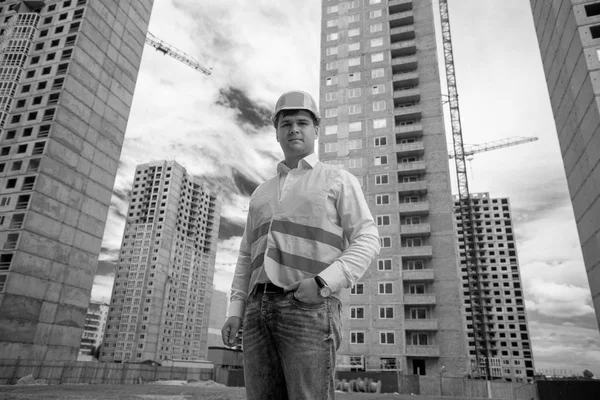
{"x": 289, "y": 347}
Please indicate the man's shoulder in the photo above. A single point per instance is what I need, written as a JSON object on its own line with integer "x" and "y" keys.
{"x": 264, "y": 187}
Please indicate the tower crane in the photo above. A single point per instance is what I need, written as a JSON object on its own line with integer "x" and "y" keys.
{"x": 471, "y": 149}
{"x": 167, "y": 49}
{"x": 464, "y": 208}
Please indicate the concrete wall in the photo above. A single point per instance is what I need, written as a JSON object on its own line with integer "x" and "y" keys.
{"x": 74, "y": 372}
{"x": 571, "y": 63}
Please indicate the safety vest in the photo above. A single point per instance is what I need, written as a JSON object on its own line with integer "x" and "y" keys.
{"x": 293, "y": 238}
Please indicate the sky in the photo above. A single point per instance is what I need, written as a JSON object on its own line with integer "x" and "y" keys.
{"x": 217, "y": 127}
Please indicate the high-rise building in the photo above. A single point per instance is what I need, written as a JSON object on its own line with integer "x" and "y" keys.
{"x": 568, "y": 32}
{"x": 163, "y": 285}
{"x": 508, "y": 339}
{"x": 218, "y": 315}
{"x": 93, "y": 330}
{"x": 68, "y": 70}
{"x": 381, "y": 105}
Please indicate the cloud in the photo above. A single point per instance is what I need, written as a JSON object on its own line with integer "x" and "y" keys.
{"x": 558, "y": 300}
{"x": 102, "y": 288}
{"x": 247, "y": 111}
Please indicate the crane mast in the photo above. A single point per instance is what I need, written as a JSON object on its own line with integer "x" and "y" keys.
{"x": 465, "y": 209}
{"x": 167, "y": 49}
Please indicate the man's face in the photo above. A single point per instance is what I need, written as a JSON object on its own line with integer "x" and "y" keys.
{"x": 296, "y": 133}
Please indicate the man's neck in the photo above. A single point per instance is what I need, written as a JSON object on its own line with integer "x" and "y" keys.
{"x": 292, "y": 161}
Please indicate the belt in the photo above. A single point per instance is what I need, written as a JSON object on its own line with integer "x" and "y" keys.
{"x": 268, "y": 288}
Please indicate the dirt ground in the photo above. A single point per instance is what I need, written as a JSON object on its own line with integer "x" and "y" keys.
{"x": 155, "y": 392}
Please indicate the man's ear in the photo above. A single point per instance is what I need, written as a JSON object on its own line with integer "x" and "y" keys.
{"x": 317, "y": 130}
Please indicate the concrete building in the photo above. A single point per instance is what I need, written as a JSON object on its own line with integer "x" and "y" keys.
{"x": 67, "y": 75}
{"x": 93, "y": 330}
{"x": 381, "y": 105}
{"x": 507, "y": 330}
{"x": 568, "y": 32}
{"x": 163, "y": 285}
{"x": 218, "y": 316}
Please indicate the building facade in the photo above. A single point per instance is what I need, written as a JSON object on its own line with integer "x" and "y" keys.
{"x": 508, "y": 338}
{"x": 159, "y": 309}
{"x": 568, "y": 33}
{"x": 218, "y": 316}
{"x": 93, "y": 330}
{"x": 380, "y": 99}
{"x": 68, "y": 70}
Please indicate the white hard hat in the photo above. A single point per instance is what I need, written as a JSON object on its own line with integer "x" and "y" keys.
{"x": 296, "y": 100}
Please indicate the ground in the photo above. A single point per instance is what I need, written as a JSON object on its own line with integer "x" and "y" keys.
{"x": 156, "y": 392}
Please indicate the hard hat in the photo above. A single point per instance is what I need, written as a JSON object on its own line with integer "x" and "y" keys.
{"x": 296, "y": 100}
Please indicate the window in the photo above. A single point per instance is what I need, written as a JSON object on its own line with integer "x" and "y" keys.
{"x": 355, "y": 126}
{"x": 382, "y": 199}
{"x": 353, "y": 32}
{"x": 386, "y": 312}
{"x": 386, "y": 288}
{"x": 331, "y": 65}
{"x": 332, "y": 80}
{"x": 354, "y": 92}
{"x": 384, "y": 265}
{"x": 414, "y": 242}
{"x": 418, "y": 339}
{"x": 357, "y": 312}
{"x": 331, "y": 129}
{"x": 42, "y": 85}
{"x": 375, "y": 13}
{"x": 331, "y": 147}
{"x": 383, "y": 220}
{"x": 592, "y": 9}
{"x": 352, "y": 62}
{"x": 357, "y": 288}
{"x": 354, "y": 109}
{"x": 333, "y": 36}
{"x": 418, "y": 313}
{"x": 354, "y": 77}
{"x": 377, "y": 42}
{"x": 353, "y": 18}
{"x": 595, "y": 31}
{"x": 379, "y": 123}
{"x": 331, "y": 96}
{"x": 355, "y": 162}
{"x": 357, "y": 337}
{"x": 379, "y": 105}
{"x": 418, "y": 288}
{"x": 376, "y": 57}
{"x": 382, "y": 179}
{"x": 377, "y": 73}
{"x": 374, "y": 1}
{"x": 354, "y": 46}
{"x": 331, "y": 50}
{"x": 381, "y": 160}
{"x": 354, "y": 144}
{"x": 380, "y": 141}
{"x": 331, "y": 112}
{"x": 378, "y": 27}
{"x": 387, "y": 338}
{"x": 385, "y": 241}
{"x": 332, "y": 9}
{"x": 332, "y": 22}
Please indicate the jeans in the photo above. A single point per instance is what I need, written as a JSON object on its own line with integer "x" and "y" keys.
{"x": 289, "y": 347}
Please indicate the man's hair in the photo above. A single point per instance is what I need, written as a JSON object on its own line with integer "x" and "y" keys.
{"x": 285, "y": 113}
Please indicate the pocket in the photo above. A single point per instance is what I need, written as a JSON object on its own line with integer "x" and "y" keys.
{"x": 305, "y": 306}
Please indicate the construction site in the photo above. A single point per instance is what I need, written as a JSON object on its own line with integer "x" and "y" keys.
{"x": 440, "y": 312}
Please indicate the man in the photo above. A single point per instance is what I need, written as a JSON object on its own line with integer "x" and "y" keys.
{"x": 309, "y": 234}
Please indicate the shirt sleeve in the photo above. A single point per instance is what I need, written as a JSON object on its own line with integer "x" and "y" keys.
{"x": 241, "y": 277}
{"x": 360, "y": 231}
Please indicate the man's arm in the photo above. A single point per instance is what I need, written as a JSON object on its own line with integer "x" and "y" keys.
{"x": 361, "y": 232}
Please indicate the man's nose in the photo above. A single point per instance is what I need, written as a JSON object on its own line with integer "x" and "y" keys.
{"x": 294, "y": 127}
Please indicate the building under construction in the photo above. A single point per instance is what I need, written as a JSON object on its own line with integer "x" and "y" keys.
{"x": 380, "y": 98}
{"x": 508, "y": 341}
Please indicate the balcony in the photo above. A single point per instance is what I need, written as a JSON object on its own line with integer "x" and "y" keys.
{"x": 419, "y": 208}
{"x": 407, "y": 94}
{"x": 408, "y": 130}
{"x": 407, "y": 113}
{"x": 404, "y": 48}
{"x": 419, "y": 299}
{"x": 410, "y": 168}
{"x": 418, "y": 275}
{"x": 409, "y": 149}
{"x": 416, "y": 229}
{"x": 401, "y": 19}
{"x": 422, "y": 351}
{"x": 400, "y": 64}
{"x": 402, "y": 33}
{"x": 412, "y": 187}
{"x": 420, "y": 324}
{"x": 417, "y": 252}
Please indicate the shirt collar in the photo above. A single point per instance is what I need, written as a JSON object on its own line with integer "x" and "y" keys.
{"x": 307, "y": 162}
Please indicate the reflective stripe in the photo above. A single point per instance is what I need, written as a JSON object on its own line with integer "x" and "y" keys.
{"x": 308, "y": 232}
{"x": 257, "y": 262}
{"x": 260, "y": 231}
{"x": 296, "y": 262}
